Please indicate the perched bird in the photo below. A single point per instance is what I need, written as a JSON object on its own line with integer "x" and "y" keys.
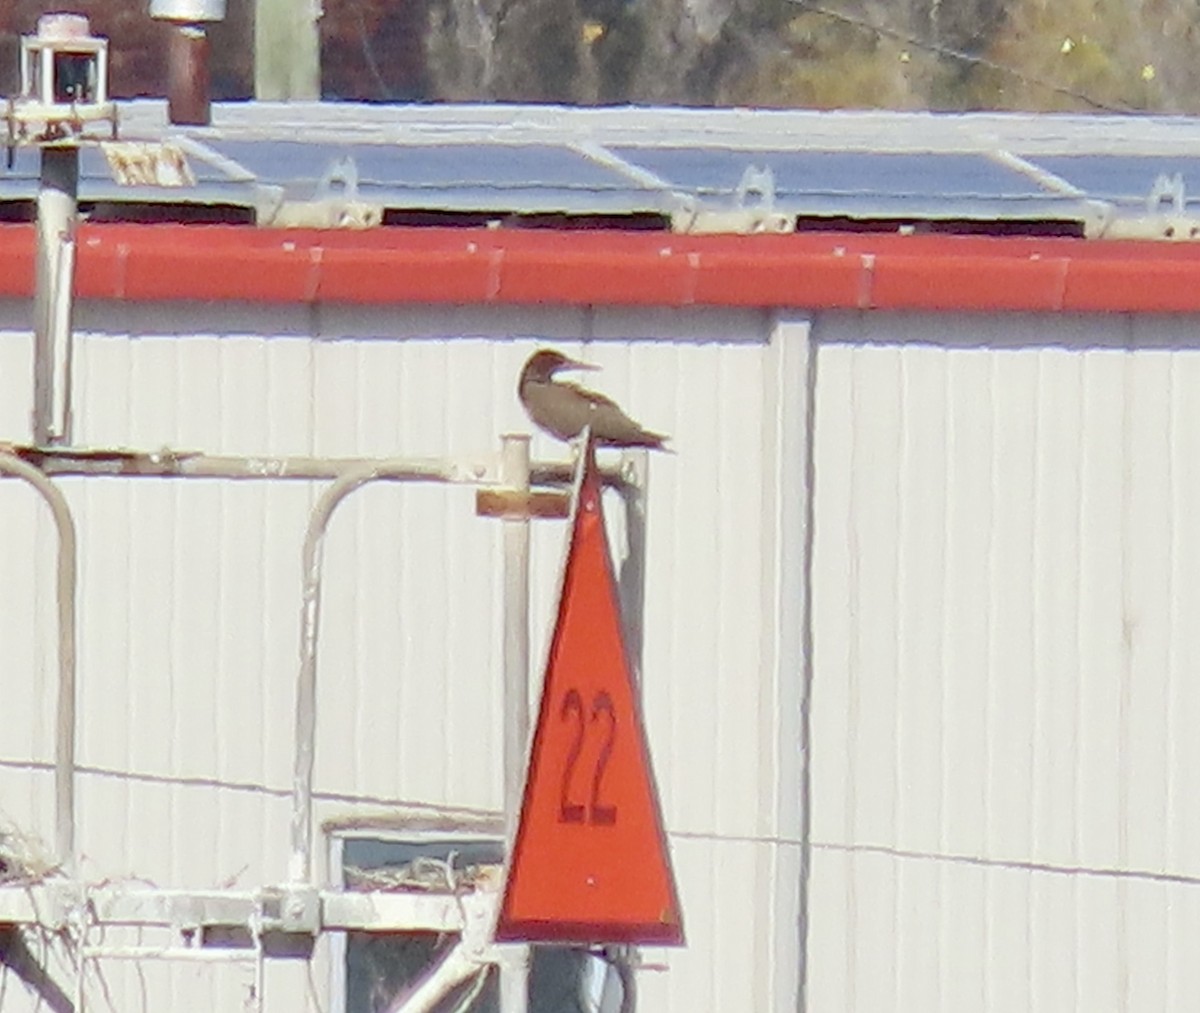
{"x": 564, "y": 409}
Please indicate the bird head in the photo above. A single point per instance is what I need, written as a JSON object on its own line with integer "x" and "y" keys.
{"x": 544, "y": 363}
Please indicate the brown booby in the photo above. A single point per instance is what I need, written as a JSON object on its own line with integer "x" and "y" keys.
{"x": 564, "y": 409}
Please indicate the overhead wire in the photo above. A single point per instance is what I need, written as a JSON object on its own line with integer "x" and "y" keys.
{"x": 962, "y": 56}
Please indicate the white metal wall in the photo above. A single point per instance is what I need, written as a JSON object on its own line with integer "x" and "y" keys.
{"x": 1005, "y": 703}
{"x": 1003, "y": 581}
{"x": 189, "y": 607}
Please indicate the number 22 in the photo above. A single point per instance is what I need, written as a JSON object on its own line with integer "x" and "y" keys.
{"x": 595, "y": 812}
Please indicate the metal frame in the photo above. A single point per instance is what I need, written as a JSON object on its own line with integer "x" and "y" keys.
{"x": 64, "y": 722}
{"x": 37, "y": 65}
{"x": 408, "y": 830}
{"x": 300, "y": 865}
{"x": 35, "y": 115}
{"x": 475, "y": 950}
{"x": 298, "y": 908}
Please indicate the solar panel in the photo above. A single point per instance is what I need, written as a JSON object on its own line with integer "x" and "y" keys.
{"x": 97, "y": 183}
{"x": 844, "y": 173}
{"x": 633, "y": 168}
{"x": 453, "y": 176}
{"x": 1126, "y": 179}
{"x": 858, "y": 185}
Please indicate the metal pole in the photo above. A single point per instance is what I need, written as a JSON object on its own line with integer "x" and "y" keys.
{"x": 451, "y": 971}
{"x": 188, "y": 100}
{"x": 631, "y": 581}
{"x": 190, "y": 464}
{"x": 54, "y": 285}
{"x": 631, "y": 587}
{"x": 300, "y": 866}
{"x": 300, "y": 870}
{"x": 168, "y": 463}
{"x": 287, "y": 51}
{"x": 514, "y": 474}
{"x": 64, "y": 722}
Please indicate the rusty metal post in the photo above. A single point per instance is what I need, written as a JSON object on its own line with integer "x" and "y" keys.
{"x": 514, "y": 475}
{"x": 188, "y": 91}
{"x": 188, "y": 100}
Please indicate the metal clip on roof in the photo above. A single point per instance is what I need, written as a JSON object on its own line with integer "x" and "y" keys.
{"x": 1174, "y": 224}
{"x": 748, "y": 217}
{"x": 335, "y": 203}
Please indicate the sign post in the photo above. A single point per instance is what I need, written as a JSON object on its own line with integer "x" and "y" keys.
{"x": 590, "y": 862}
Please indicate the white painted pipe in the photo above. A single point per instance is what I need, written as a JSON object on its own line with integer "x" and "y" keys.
{"x": 54, "y": 286}
{"x": 514, "y": 474}
{"x": 65, "y": 720}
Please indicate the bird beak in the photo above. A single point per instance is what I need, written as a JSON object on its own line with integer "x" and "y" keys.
{"x": 576, "y": 364}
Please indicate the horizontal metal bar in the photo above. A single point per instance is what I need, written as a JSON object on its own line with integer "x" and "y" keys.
{"x": 197, "y": 955}
{"x": 378, "y": 910}
{"x": 187, "y": 464}
{"x": 48, "y": 904}
{"x": 184, "y": 908}
{"x": 168, "y": 463}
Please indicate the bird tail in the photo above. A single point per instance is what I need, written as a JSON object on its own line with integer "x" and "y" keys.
{"x": 656, "y": 441}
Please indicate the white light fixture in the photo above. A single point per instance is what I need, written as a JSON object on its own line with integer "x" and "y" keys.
{"x": 64, "y": 82}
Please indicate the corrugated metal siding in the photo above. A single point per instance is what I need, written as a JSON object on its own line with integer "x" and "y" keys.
{"x": 189, "y": 605}
{"x": 1003, "y": 702}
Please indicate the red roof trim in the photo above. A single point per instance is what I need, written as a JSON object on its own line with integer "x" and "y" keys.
{"x": 804, "y": 271}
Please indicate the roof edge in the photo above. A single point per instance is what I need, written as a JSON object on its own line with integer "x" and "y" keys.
{"x": 150, "y": 263}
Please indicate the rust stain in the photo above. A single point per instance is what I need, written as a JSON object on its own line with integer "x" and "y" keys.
{"x": 140, "y": 163}
{"x": 516, "y": 503}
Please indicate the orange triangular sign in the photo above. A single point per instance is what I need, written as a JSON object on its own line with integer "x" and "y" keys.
{"x": 590, "y": 862}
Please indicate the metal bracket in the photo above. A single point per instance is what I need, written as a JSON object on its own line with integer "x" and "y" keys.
{"x": 1174, "y": 224}
{"x": 290, "y": 909}
{"x": 756, "y": 181}
{"x": 1167, "y": 188}
{"x": 748, "y": 216}
{"x": 335, "y": 203}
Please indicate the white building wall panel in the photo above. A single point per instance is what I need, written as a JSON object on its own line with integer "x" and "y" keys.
{"x": 189, "y": 607}
{"x": 1003, "y": 697}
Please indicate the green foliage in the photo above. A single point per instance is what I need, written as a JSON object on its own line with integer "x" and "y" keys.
{"x": 1102, "y": 52}
{"x": 822, "y": 64}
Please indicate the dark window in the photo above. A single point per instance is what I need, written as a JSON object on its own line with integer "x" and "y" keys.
{"x": 381, "y": 967}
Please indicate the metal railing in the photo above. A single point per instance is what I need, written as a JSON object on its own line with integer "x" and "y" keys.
{"x": 302, "y": 905}
{"x": 300, "y": 865}
{"x": 64, "y": 720}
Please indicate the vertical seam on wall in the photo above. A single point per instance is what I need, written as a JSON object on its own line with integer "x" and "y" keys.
{"x": 771, "y": 817}
{"x": 806, "y": 654}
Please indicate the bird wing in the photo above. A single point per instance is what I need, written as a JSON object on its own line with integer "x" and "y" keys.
{"x": 609, "y": 423}
{"x": 565, "y": 409}
{"x": 597, "y": 400}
